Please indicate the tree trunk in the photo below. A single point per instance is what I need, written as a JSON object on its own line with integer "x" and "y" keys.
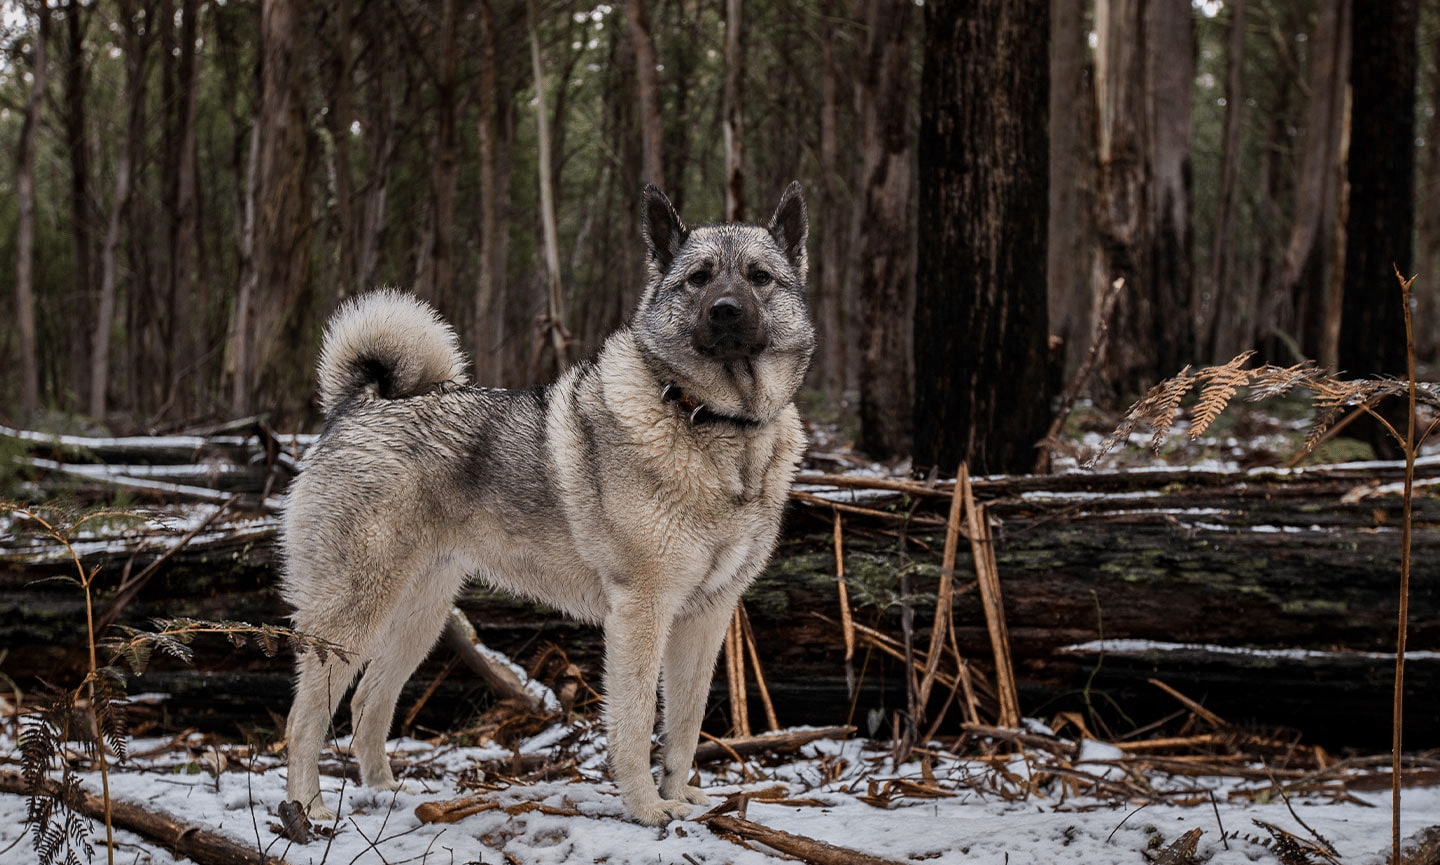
{"x": 828, "y": 277}
{"x": 647, "y": 81}
{"x": 184, "y": 239}
{"x": 136, "y": 47}
{"x": 1170, "y": 72}
{"x": 732, "y": 99}
{"x": 277, "y": 340}
{"x": 1301, "y": 301}
{"x": 444, "y": 165}
{"x": 881, "y": 232}
{"x": 554, "y": 328}
{"x": 1381, "y": 177}
{"x": 1228, "y": 320}
{"x": 1070, "y": 235}
{"x": 1427, "y": 216}
{"x": 77, "y": 302}
{"x": 25, "y": 220}
{"x": 1143, "y": 72}
{"x": 980, "y": 310}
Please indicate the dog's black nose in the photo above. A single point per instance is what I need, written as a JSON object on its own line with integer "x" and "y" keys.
{"x": 725, "y": 310}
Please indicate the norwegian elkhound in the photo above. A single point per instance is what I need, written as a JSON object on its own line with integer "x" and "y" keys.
{"x": 642, "y": 490}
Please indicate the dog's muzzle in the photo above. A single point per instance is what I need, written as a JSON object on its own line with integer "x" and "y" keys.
{"x": 730, "y": 328}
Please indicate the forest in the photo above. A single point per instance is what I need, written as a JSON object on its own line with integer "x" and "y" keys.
{"x": 196, "y": 184}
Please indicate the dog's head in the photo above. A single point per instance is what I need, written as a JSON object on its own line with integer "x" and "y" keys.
{"x": 724, "y": 310}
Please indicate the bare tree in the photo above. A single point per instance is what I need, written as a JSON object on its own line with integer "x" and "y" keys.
{"x": 881, "y": 231}
{"x": 25, "y": 204}
{"x": 647, "y": 80}
{"x": 733, "y": 124}
{"x": 1143, "y": 77}
{"x": 136, "y": 45}
{"x": 1230, "y": 319}
{"x": 1303, "y": 299}
{"x": 266, "y": 365}
{"x": 1071, "y": 241}
{"x": 554, "y": 323}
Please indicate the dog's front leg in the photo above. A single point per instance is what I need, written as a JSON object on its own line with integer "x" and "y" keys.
{"x": 689, "y": 666}
{"x": 634, "y": 637}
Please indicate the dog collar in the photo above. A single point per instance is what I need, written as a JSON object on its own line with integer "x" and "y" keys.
{"x": 697, "y": 412}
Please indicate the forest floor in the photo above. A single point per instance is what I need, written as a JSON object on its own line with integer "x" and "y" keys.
{"x": 990, "y": 796}
{"x": 836, "y": 799}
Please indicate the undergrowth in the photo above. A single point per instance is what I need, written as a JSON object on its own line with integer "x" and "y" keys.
{"x": 1332, "y": 397}
{"x": 92, "y": 713}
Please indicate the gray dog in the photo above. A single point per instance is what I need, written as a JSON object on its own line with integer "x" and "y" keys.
{"x": 643, "y": 491}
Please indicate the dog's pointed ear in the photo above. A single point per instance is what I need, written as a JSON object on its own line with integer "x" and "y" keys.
{"x": 790, "y": 226}
{"x": 664, "y": 232}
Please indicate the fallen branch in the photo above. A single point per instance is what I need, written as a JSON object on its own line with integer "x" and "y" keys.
{"x": 204, "y": 846}
{"x": 807, "y": 849}
{"x": 461, "y": 638}
{"x": 782, "y": 742}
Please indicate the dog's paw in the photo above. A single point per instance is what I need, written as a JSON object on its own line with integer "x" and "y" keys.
{"x": 659, "y": 812}
{"x": 686, "y": 793}
{"x": 318, "y": 813}
{"x": 391, "y": 784}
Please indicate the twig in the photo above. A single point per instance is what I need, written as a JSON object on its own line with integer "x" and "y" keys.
{"x": 131, "y": 587}
{"x": 1205, "y": 714}
{"x": 735, "y": 677}
{"x": 982, "y": 548}
{"x": 754, "y": 653}
{"x": 1406, "y": 526}
{"x": 1098, "y": 339}
{"x": 846, "y": 625}
{"x": 944, "y": 597}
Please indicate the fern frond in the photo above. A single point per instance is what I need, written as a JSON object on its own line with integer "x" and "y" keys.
{"x": 1274, "y": 381}
{"x": 1221, "y": 384}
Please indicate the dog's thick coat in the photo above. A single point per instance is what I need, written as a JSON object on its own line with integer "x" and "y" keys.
{"x": 642, "y": 490}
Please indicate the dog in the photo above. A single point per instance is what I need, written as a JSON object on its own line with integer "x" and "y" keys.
{"x": 642, "y": 490}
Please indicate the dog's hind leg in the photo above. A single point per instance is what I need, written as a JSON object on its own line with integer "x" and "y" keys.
{"x": 689, "y": 665}
{"x": 400, "y": 646}
{"x": 318, "y": 689}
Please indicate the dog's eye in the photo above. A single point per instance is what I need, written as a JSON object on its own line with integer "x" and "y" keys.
{"x": 699, "y": 278}
{"x": 761, "y": 277}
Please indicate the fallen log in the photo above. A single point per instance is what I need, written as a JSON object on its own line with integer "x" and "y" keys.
{"x": 191, "y": 840}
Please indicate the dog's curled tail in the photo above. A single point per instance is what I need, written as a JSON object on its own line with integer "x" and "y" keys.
{"x": 387, "y": 344}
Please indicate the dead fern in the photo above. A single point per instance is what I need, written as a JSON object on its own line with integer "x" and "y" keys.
{"x": 1218, "y": 386}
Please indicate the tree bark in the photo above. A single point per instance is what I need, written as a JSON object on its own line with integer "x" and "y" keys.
{"x": 980, "y": 312}
{"x": 1300, "y": 303}
{"x": 77, "y": 302}
{"x": 1143, "y": 71}
{"x": 1380, "y": 172}
{"x": 278, "y": 356}
{"x": 1228, "y": 321}
{"x": 881, "y": 238}
{"x": 554, "y": 322}
{"x": 1070, "y": 239}
{"x": 136, "y": 47}
{"x": 828, "y": 277}
{"x": 647, "y": 81}
{"x": 25, "y": 219}
{"x": 732, "y": 123}
{"x": 185, "y": 280}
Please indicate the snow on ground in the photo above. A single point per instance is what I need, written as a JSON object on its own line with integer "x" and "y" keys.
{"x": 983, "y": 819}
